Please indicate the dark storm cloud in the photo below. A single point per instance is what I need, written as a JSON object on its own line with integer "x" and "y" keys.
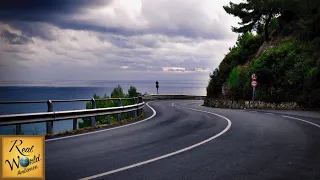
{"x": 32, "y": 29}
{"x": 13, "y": 38}
{"x": 28, "y": 16}
{"x": 38, "y": 29}
{"x": 83, "y": 25}
{"x": 163, "y": 18}
{"x": 43, "y": 10}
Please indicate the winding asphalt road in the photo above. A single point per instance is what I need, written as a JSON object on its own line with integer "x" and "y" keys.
{"x": 186, "y": 141}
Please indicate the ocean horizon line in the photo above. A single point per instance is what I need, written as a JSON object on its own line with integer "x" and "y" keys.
{"x": 91, "y": 83}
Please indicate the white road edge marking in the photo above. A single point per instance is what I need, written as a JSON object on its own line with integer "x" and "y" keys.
{"x": 317, "y": 125}
{"x": 170, "y": 154}
{"x": 109, "y": 129}
{"x": 269, "y": 113}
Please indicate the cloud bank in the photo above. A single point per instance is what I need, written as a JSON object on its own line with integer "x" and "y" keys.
{"x": 109, "y": 39}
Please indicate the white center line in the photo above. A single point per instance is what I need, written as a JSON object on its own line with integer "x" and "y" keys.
{"x": 314, "y": 124}
{"x": 170, "y": 154}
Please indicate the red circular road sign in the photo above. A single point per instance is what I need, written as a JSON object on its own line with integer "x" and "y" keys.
{"x": 254, "y": 83}
{"x": 254, "y": 76}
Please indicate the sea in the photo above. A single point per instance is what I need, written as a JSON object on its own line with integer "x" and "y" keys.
{"x": 63, "y": 90}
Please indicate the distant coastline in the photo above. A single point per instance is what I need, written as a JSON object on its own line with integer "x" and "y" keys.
{"x": 94, "y": 83}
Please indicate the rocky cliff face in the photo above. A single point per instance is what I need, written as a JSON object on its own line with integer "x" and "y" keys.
{"x": 210, "y": 102}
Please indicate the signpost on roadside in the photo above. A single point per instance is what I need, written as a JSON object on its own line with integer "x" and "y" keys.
{"x": 157, "y": 86}
{"x": 254, "y": 77}
{"x": 254, "y": 84}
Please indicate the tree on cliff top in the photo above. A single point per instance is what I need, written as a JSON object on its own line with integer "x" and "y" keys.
{"x": 253, "y": 13}
{"x": 132, "y": 92}
{"x": 117, "y": 92}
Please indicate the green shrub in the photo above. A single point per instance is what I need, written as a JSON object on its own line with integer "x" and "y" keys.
{"x": 244, "y": 50}
{"x": 287, "y": 71}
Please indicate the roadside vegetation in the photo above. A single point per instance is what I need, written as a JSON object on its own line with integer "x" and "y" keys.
{"x": 113, "y": 123}
{"x": 116, "y": 93}
{"x": 102, "y": 121}
{"x": 279, "y": 41}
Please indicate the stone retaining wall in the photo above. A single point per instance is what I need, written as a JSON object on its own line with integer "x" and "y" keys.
{"x": 210, "y": 102}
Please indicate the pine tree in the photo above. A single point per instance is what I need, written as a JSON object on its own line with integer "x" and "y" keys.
{"x": 253, "y": 13}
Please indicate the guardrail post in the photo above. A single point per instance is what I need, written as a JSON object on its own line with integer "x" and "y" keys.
{"x": 134, "y": 112}
{"x": 49, "y": 124}
{"x": 75, "y": 123}
{"x": 119, "y": 105}
{"x": 93, "y": 118}
{"x": 129, "y": 114}
{"x": 108, "y": 119}
{"x": 18, "y": 129}
{"x": 141, "y": 100}
{"x": 138, "y": 110}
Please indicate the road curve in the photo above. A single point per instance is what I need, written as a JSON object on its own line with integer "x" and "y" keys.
{"x": 258, "y": 145}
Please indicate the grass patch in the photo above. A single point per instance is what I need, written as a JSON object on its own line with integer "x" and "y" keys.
{"x": 112, "y": 123}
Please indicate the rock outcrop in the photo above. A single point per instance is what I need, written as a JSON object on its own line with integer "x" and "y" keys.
{"x": 210, "y": 102}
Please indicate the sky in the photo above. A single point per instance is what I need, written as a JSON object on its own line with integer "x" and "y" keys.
{"x": 113, "y": 39}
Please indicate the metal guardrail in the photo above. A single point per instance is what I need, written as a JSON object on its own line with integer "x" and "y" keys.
{"x": 50, "y": 116}
{"x": 66, "y": 100}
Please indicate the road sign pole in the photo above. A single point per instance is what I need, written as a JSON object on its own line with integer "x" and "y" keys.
{"x": 254, "y": 83}
{"x": 253, "y": 89}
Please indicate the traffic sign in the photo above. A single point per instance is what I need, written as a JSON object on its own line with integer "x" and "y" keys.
{"x": 254, "y": 83}
{"x": 254, "y": 76}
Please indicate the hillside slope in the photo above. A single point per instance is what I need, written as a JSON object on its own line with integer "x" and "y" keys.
{"x": 287, "y": 64}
